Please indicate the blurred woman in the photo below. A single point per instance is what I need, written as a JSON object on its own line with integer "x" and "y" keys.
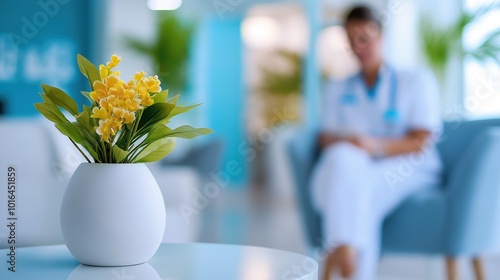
{"x": 376, "y": 135}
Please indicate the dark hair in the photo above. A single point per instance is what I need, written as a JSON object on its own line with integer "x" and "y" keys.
{"x": 362, "y": 13}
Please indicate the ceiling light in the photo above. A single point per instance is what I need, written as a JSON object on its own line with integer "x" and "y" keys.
{"x": 164, "y": 4}
{"x": 260, "y": 31}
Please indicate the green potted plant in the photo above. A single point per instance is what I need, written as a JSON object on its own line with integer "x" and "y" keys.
{"x": 169, "y": 60}
{"x": 113, "y": 199}
{"x": 281, "y": 88}
{"x": 439, "y": 45}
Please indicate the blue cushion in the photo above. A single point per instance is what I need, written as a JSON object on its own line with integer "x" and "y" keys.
{"x": 473, "y": 195}
{"x": 417, "y": 226}
{"x": 457, "y": 136}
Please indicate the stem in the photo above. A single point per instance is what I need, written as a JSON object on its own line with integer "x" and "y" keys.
{"x": 122, "y": 134}
{"x": 96, "y": 142}
{"x": 81, "y": 152}
{"x": 98, "y": 151}
{"x": 136, "y": 125}
{"x": 103, "y": 146}
{"x": 110, "y": 153}
{"x": 131, "y": 155}
{"x": 111, "y": 149}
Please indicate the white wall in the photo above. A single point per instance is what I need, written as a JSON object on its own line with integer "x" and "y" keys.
{"x": 128, "y": 18}
{"x": 400, "y": 21}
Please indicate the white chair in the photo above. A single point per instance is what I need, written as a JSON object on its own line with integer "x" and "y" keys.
{"x": 27, "y": 146}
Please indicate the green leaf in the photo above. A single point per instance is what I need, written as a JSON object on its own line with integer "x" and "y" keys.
{"x": 161, "y": 96}
{"x": 181, "y": 110}
{"x": 157, "y": 132}
{"x": 84, "y": 119}
{"x": 51, "y": 112}
{"x": 154, "y": 114}
{"x": 160, "y": 131}
{"x": 87, "y": 95}
{"x": 119, "y": 153}
{"x": 61, "y": 99}
{"x": 87, "y": 109}
{"x": 489, "y": 48}
{"x": 52, "y": 107}
{"x": 86, "y": 127}
{"x": 156, "y": 150}
{"x": 46, "y": 99}
{"x": 173, "y": 100}
{"x": 138, "y": 45}
{"x": 123, "y": 137}
{"x": 88, "y": 69}
{"x": 72, "y": 131}
{"x": 283, "y": 80}
{"x": 189, "y": 132}
{"x": 170, "y": 60}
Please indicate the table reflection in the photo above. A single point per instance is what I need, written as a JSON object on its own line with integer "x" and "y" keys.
{"x": 142, "y": 271}
{"x": 192, "y": 261}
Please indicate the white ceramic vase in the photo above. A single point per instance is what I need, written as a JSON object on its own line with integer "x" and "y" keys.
{"x": 112, "y": 214}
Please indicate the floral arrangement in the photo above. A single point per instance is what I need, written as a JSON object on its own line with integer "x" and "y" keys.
{"x": 126, "y": 122}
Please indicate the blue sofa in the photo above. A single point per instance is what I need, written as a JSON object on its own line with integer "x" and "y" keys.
{"x": 462, "y": 218}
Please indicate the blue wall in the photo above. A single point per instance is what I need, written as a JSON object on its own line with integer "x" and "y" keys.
{"x": 312, "y": 75}
{"x": 224, "y": 92}
{"x": 39, "y": 40}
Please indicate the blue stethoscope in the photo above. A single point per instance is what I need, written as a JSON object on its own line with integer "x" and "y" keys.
{"x": 391, "y": 115}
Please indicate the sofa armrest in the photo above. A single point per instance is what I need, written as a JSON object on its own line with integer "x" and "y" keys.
{"x": 473, "y": 192}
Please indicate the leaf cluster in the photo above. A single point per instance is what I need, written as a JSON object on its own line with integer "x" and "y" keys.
{"x": 147, "y": 139}
{"x": 170, "y": 60}
{"x": 439, "y": 44}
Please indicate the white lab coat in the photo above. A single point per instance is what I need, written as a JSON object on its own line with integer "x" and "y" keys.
{"x": 353, "y": 191}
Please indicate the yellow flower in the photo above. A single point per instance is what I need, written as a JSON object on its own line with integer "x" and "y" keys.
{"x": 146, "y": 99}
{"x": 153, "y": 84}
{"x": 139, "y": 75}
{"x": 112, "y": 80}
{"x": 128, "y": 117}
{"x": 130, "y": 84}
{"x": 117, "y": 100}
{"x": 94, "y": 96}
{"x": 116, "y": 91}
{"x": 133, "y": 104}
{"x": 129, "y": 94}
{"x": 108, "y": 103}
{"x": 141, "y": 89}
{"x": 115, "y": 60}
{"x": 108, "y": 128}
{"x": 99, "y": 113}
{"x": 117, "y": 112}
{"x": 100, "y": 85}
{"x": 147, "y": 102}
{"x": 98, "y": 95}
{"x": 103, "y": 71}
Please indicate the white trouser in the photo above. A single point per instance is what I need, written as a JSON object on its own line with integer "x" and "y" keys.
{"x": 355, "y": 192}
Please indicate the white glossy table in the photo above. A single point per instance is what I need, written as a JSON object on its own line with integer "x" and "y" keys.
{"x": 189, "y": 261}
